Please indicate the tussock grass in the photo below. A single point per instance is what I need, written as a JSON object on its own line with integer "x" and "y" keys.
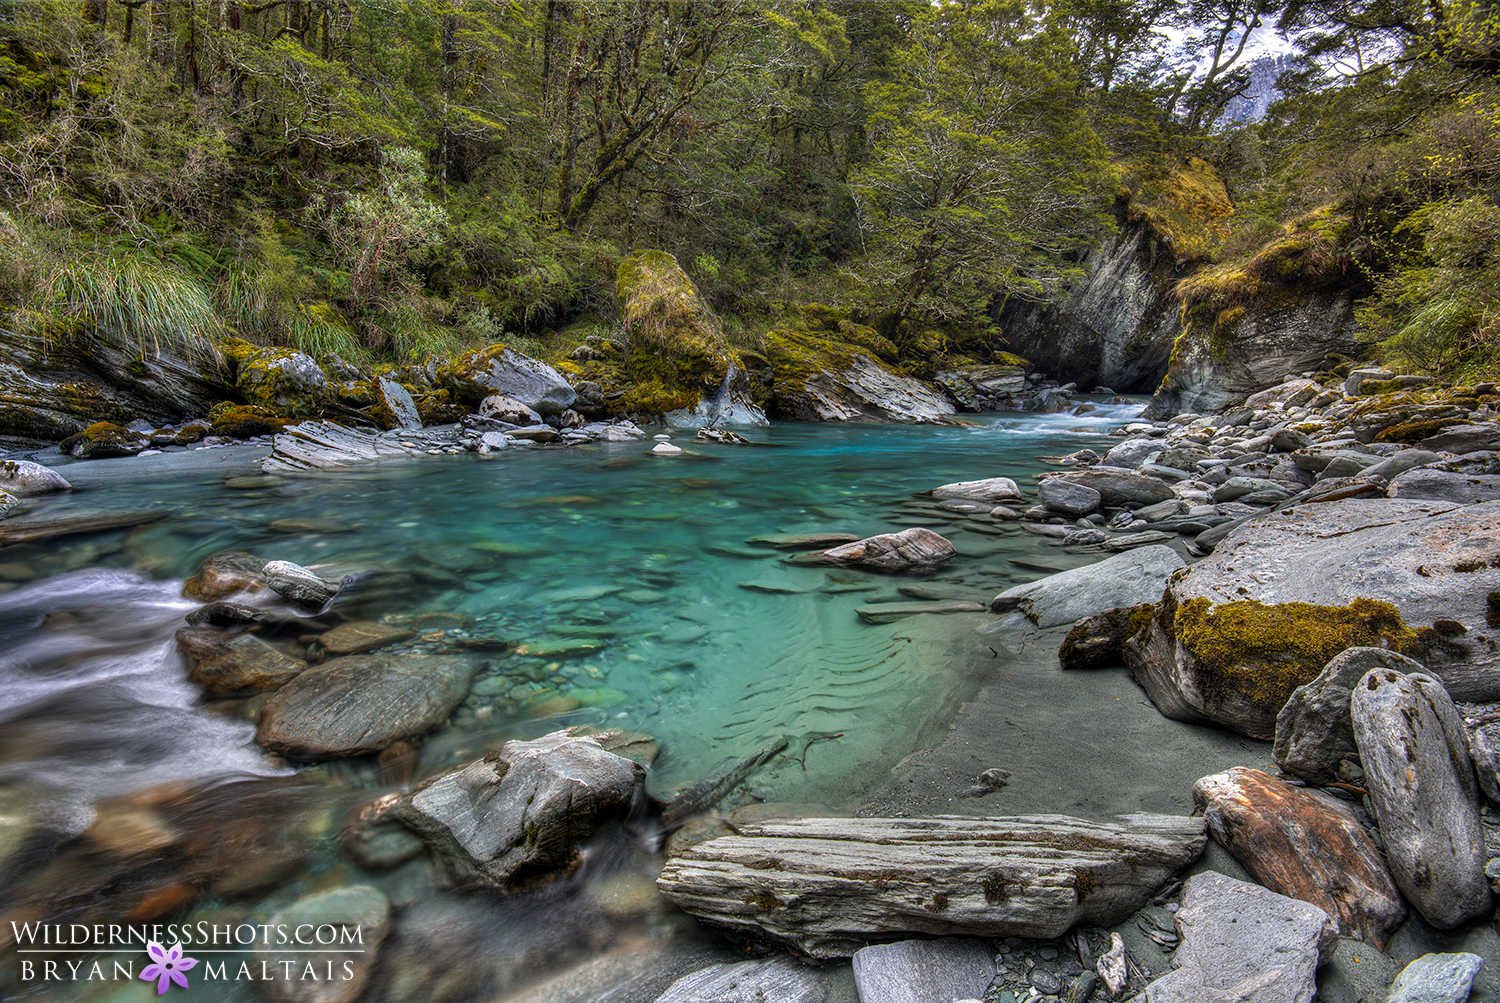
{"x": 146, "y": 305}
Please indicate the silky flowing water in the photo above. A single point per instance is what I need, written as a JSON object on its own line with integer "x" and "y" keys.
{"x": 630, "y": 577}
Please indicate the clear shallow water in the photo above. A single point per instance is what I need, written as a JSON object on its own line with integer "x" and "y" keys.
{"x": 628, "y": 573}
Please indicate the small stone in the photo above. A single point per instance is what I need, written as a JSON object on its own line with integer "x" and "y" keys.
{"x": 1436, "y": 978}
{"x": 667, "y": 449}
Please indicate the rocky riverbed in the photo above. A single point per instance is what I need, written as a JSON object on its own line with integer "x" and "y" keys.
{"x": 1306, "y": 584}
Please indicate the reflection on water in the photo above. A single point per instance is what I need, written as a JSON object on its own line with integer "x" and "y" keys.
{"x": 627, "y": 585}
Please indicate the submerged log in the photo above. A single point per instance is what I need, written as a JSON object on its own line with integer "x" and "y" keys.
{"x": 828, "y": 886}
{"x": 706, "y": 794}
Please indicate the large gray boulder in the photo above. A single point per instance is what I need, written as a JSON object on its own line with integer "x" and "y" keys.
{"x": 1244, "y": 943}
{"x": 1424, "y": 483}
{"x": 1313, "y": 730}
{"x": 523, "y": 810}
{"x": 1133, "y": 452}
{"x": 1416, "y": 761}
{"x": 997, "y": 490}
{"x": 395, "y": 405}
{"x": 1136, "y": 576}
{"x": 23, "y": 477}
{"x": 362, "y": 704}
{"x": 909, "y": 550}
{"x": 357, "y": 917}
{"x": 475, "y": 375}
{"x": 1068, "y": 497}
{"x": 1120, "y": 486}
{"x": 918, "y": 971}
{"x": 1304, "y": 845}
{"x": 1281, "y": 595}
{"x": 830, "y": 885}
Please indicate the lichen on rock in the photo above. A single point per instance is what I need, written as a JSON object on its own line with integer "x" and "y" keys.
{"x": 283, "y": 380}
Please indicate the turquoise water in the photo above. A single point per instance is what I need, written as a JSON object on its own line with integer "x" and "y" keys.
{"x": 623, "y": 579}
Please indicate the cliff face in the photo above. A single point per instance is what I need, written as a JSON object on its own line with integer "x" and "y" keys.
{"x": 1116, "y": 328}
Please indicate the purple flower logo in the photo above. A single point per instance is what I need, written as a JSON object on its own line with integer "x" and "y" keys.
{"x": 168, "y": 968}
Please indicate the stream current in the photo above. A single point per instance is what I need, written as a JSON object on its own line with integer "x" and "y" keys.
{"x": 640, "y": 604}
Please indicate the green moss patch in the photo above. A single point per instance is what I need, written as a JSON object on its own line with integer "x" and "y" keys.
{"x": 672, "y": 338}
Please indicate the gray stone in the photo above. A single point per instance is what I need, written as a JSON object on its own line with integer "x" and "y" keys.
{"x": 777, "y": 980}
{"x": 1244, "y": 943}
{"x": 224, "y": 664}
{"x": 524, "y": 809}
{"x": 486, "y": 372}
{"x": 282, "y": 379}
{"x": 23, "y": 477}
{"x": 360, "y": 913}
{"x": 812, "y": 882}
{"x": 1289, "y": 440}
{"x": 910, "y": 549}
{"x": 924, "y": 971}
{"x": 1313, "y": 729}
{"x": 996, "y": 490}
{"x": 1238, "y": 487}
{"x": 1119, "y": 486}
{"x": 509, "y": 410}
{"x": 1482, "y": 722}
{"x": 397, "y": 400}
{"x": 327, "y": 445}
{"x": 298, "y": 585}
{"x": 1477, "y": 437}
{"x": 1067, "y": 497}
{"x": 1133, "y": 452}
{"x": 1135, "y": 577}
{"x": 1415, "y": 756}
{"x": 1444, "y": 485}
{"x": 362, "y": 703}
{"x": 1436, "y": 978}
{"x": 1357, "y": 378}
{"x": 9, "y": 503}
{"x": 1399, "y": 463}
{"x": 1293, "y": 391}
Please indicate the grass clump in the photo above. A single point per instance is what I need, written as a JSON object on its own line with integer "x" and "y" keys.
{"x": 148, "y": 305}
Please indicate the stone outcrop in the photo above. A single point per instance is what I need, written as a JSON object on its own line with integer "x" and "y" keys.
{"x": 1305, "y": 846}
{"x": 1137, "y": 576}
{"x": 829, "y": 885}
{"x": 1415, "y": 756}
{"x": 362, "y": 704}
{"x": 913, "y": 549}
{"x": 475, "y": 375}
{"x": 819, "y": 377}
{"x": 1244, "y": 942}
{"x": 1281, "y": 595}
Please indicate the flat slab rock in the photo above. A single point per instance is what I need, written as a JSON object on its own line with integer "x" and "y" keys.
{"x": 910, "y": 549}
{"x": 1303, "y": 845}
{"x": 327, "y": 445}
{"x": 48, "y": 522}
{"x": 780, "y": 979}
{"x": 923, "y": 971}
{"x": 361, "y": 704}
{"x": 1135, "y": 577}
{"x": 1244, "y": 943}
{"x": 830, "y": 885}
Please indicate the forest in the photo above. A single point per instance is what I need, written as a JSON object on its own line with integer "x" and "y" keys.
{"x": 391, "y": 179}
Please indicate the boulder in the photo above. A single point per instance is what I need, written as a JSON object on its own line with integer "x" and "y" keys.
{"x": 298, "y": 586}
{"x": 1244, "y": 943}
{"x": 522, "y": 810}
{"x": 994, "y": 490}
{"x": 913, "y": 549}
{"x": 1436, "y": 978}
{"x": 103, "y": 440}
{"x": 509, "y": 410}
{"x": 361, "y": 704}
{"x": 9, "y": 503}
{"x": 1355, "y": 381}
{"x": 918, "y": 971}
{"x": 1135, "y": 577}
{"x": 484, "y": 372}
{"x": 1098, "y": 641}
{"x": 1313, "y": 729}
{"x": 1424, "y": 483}
{"x": 820, "y": 378}
{"x": 360, "y": 636}
{"x": 780, "y": 979}
{"x": 225, "y": 664}
{"x": 1068, "y": 497}
{"x": 23, "y": 478}
{"x": 1303, "y": 845}
{"x": 1133, "y": 452}
{"x": 224, "y": 575}
{"x": 1119, "y": 486}
{"x": 1472, "y": 438}
{"x": 356, "y": 915}
{"x": 1415, "y": 756}
{"x": 283, "y": 380}
{"x": 829, "y": 885}
{"x": 1284, "y": 593}
{"x": 394, "y": 407}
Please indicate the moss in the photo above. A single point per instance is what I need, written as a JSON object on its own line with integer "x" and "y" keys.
{"x": 671, "y": 336}
{"x": 1010, "y": 359}
{"x": 1414, "y": 431}
{"x": 102, "y": 438}
{"x": 1492, "y": 609}
{"x": 1185, "y": 204}
{"x": 851, "y": 333}
{"x": 1265, "y": 651}
{"x": 245, "y": 421}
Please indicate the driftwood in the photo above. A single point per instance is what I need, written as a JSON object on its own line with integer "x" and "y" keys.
{"x": 830, "y": 885}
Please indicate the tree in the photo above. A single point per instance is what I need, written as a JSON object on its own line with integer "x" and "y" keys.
{"x": 398, "y": 216}
{"x": 985, "y": 174}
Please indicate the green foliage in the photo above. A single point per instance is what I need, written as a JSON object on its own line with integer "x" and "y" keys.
{"x": 148, "y": 305}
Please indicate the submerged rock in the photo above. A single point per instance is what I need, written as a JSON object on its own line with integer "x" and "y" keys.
{"x": 829, "y": 885}
{"x": 1305, "y": 846}
{"x": 1244, "y": 942}
{"x": 361, "y": 704}
{"x": 224, "y": 664}
{"x": 523, "y": 810}
{"x": 909, "y": 550}
{"x": 225, "y": 575}
{"x": 1415, "y": 756}
{"x": 358, "y": 915}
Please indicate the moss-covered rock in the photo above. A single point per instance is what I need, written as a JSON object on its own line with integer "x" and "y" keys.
{"x": 820, "y": 378}
{"x": 104, "y": 439}
{"x": 672, "y": 339}
{"x": 393, "y": 406}
{"x": 499, "y": 369}
{"x": 245, "y": 421}
{"x": 284, "y": 380}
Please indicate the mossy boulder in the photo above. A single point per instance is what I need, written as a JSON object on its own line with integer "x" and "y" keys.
{"x": 499, "y": 369}
{"x": 672, "y": 339}
{"x": 284, "y": 380}
{"x": 245, "y": 421}
{"x": 817, "y": 377}
{"x": 1279, "y": 597}
{"x": 102, "y": 440}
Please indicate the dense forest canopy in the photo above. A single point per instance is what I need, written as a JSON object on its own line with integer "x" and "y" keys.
{"x": 397, "y": 177}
